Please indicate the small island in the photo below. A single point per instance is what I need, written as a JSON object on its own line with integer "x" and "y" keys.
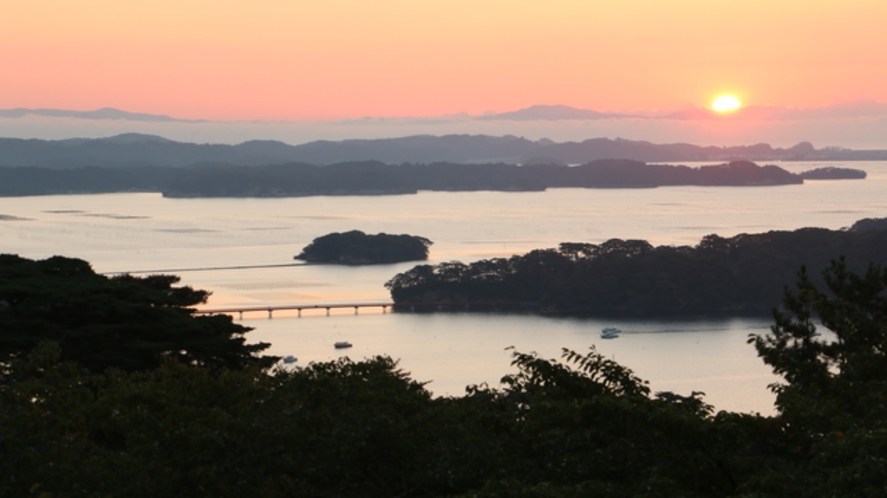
{"x": 833, "y": 173}
{"x": 358, "y": 248}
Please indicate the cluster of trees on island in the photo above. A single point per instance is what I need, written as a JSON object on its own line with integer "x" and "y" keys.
{"x": 114, "y": 387}
{"x": 357, "y": 248}
{"x": 735, "y": 276}
{"x": 377, "y": 178}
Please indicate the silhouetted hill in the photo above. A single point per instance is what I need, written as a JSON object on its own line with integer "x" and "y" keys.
{"x": 142, "y": 150}
{"x": 419, "y": 149}
{"x": 550, "y": 113}
{"x": 104, "y": 113}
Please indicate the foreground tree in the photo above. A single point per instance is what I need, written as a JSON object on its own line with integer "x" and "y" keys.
{"x": 124, "y": 322}
{"x": 836, "y": 378}
{"x": 832, "y": 401}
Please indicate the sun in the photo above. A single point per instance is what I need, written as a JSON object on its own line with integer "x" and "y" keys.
{"x": 726, "y": 103}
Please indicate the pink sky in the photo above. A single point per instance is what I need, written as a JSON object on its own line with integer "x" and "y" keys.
{"x": 298, "y": 60}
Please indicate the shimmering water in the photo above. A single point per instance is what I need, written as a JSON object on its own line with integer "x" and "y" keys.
{"x": 136, "y": 232}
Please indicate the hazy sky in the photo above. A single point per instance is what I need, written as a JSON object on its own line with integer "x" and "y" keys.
{"x": 341, "y": 59}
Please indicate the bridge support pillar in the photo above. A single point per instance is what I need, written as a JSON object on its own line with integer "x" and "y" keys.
{"x": 241, "y": 314}
{"x": 270, "y": 311}
{"x": 327, "y": 311}
{"x": 355, "y": 309}
{"x": 299, "y": 311}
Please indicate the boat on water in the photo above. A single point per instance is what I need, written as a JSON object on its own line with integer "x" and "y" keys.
{"x": 290, "y": 359}
{"x": 610, "y": 333}
{"x": 342, "y": 345}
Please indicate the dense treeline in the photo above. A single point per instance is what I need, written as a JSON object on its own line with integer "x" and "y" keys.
{"x": 579, "y": 426}
{"x": 740, "y": 275}
{"x": 376, "y": 178}
{"x": 358, "y": 248}
{"x": 21, "y": 181}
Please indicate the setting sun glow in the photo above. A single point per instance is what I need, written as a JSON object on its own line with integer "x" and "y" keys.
{"x": 726, "y": 103}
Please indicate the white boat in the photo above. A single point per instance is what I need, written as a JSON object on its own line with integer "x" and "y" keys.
{"x": 290, "y": 359}
{"x": 610, "y": 333}
{"x": 342, "y": 345}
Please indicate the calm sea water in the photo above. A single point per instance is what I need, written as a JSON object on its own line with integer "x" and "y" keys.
{"x": 145, "y": 232}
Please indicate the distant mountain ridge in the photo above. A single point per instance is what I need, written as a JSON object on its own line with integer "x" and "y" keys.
{"x": 542, "y": 112}
{"x": 103, "y": 113}
{"x": 553, "y": 113}
{"x": 131, "y": 149}
{"x": 851, "y": 109}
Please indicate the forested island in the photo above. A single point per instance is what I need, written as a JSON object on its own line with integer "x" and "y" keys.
{"x": 358, "y": 248}
{"x": 375, "y": 178}
{"x": 742, "y": 275}
{"x": 833, "y": 173}
{"x": 146, "y": 163}
{"x": 378, "y": 178}
{"x": 114, "y": 387}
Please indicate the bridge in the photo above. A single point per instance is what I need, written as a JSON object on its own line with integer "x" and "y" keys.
{"x": 240, "y": 310}
{"x": 384, "y": 305}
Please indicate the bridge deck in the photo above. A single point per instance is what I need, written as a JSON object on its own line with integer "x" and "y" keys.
{"x": 240, "y": 310}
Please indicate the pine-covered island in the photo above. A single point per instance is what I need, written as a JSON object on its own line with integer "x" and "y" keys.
{"x": 742, "y": 275}
{"x": 358, "y": 248}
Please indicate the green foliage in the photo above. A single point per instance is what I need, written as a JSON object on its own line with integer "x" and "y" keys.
{"x": 341, "y": 428}
{"x": 346, "y": 428}
{"x": 358, "y": 248}
{"x": 833, "y": 398}
{"x": 832, "y": 383}
{"x": 124, "y": 322}
{"x": 595, "y": 375}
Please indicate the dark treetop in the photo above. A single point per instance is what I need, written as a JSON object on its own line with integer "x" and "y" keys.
{"x": 124, "y": 322}
{"x": 358, "y": 248}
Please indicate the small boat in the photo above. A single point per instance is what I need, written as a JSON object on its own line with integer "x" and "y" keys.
{"x": 610, "y": 333}
{"x": 290, "y": 359}
{"x": 342, "y": 345}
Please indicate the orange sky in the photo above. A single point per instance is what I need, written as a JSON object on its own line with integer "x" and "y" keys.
{"x": 295, "y": 60}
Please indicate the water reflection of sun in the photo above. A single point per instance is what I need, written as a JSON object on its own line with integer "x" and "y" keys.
{"x": 726, "y": 103}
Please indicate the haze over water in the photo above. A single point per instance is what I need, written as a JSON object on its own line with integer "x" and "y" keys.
{"x": 137, "y": 232}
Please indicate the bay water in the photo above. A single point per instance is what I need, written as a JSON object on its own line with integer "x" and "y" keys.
{"x": 242, "y": 250}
